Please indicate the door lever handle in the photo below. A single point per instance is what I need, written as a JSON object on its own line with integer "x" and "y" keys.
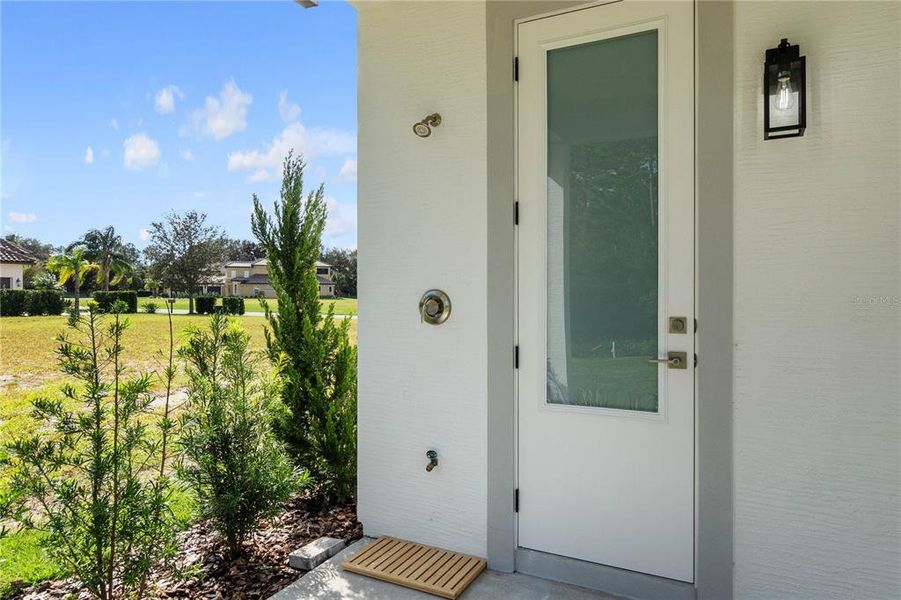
{"x": 675, "y": 360}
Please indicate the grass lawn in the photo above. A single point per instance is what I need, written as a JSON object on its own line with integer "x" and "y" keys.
{"x": 28, "y": 368}
{"x": 627, "y": 382}
{"x": 343, "y": 306}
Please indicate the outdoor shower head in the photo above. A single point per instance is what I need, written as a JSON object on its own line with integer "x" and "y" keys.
{"x": 424, "y": 128}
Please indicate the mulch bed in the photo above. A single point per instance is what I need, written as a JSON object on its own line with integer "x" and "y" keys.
{"x": 203, "y": 572}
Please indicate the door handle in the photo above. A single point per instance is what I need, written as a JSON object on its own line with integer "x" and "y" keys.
{"x": 675, "y": 360}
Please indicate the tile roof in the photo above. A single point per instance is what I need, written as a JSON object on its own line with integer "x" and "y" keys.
{"x": 247, "y": 263}
{"x": 13, "y": 253}
{"x": 254, "y": 278}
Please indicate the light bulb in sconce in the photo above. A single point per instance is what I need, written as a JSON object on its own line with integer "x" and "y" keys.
{"x": 785, "y": 99}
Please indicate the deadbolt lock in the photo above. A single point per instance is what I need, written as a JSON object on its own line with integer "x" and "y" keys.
{"x": 678, "y": 325}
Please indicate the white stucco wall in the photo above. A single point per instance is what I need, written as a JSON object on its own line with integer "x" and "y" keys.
{"x": 816, "y": 384}
{"x": 423, "y": 218}
{"x": 15, "y": 272}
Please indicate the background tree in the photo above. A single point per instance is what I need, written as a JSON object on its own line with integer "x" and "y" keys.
{"x": 243, "y": 250}
{"x": 184, "y": 251}
{"x": 105, "y": 247}
{"x": 39, "y": 250}
{"x": 312, "y": 350}
{"x": 73, "y": 266}
{"x": 152, "y": 285}
{"x": 345, "y": 263}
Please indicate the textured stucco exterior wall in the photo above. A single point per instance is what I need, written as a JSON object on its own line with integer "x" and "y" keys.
{"x": 816, "y": 384}
{"x": 14, "y": 271}
{"x": 422, "y": 206}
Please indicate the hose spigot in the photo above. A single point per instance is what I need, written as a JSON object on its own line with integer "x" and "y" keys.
{"x": 432, "y": 455}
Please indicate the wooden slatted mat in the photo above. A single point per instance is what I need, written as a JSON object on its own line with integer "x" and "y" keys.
{"x": 422, "y": 568}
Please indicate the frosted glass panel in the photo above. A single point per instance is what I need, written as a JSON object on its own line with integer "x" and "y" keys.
{"x": 602, "y": 241}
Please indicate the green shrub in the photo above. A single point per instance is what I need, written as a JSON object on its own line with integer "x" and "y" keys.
{"x": 105, "y": 300}
{"x": 150, "y": 307}
{"x": 313, "y": 350}
{"x": 13, "y": 303}
{"x": 92, "y": 478}
{"x": 204, "y": 304}
{"x": 230, "y": 459}
{"x": 232, "y": 305}
{"x": 44, "y": 281}
{"x": 143, "y": 293}
{"x": 45, "y": 302}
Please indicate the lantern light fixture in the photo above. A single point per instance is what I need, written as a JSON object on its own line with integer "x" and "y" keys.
{"x": 784, "y": 92}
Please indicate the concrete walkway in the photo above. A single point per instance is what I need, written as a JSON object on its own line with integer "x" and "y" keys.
{"x": 329, "y": 582}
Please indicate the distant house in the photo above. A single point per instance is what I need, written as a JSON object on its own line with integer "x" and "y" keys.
{"x": 213, "y": 284}
{"x": 251, "y": 278}
{"x": 13, "y": 260}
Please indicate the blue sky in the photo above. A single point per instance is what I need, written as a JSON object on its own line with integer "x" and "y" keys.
{"x": 116, "y": 113}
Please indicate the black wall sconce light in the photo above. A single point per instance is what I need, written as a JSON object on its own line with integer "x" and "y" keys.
{"x": 784, "y": 92}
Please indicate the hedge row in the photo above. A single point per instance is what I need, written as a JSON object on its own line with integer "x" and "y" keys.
{"x": 105, "y": 300}
{"x": 15, "y": 303}
{"x": 205, "y": 305}
{"x": 232, "y": 305}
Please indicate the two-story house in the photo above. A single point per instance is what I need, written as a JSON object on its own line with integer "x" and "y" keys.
{"x": 251, "y": 278}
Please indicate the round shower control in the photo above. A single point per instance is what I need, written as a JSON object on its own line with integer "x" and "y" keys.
{"x": 434, "y": 307}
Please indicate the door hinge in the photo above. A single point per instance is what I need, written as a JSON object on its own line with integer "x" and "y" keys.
{"x": 696, "y": 361}
{"x": 516, "y": 500}
{"x": 516, "y": 213}
{"x": 516, "y": 357}
{"x": 515, "y": 68}
{"x": 696, "y": 325}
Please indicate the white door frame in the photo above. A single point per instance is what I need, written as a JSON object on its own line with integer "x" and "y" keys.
{"x": 653, "y": 537}
{"x": 713, "y": 275}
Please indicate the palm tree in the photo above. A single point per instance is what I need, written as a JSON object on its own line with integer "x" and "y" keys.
{"x": 105, "y": 248}
{"x": 73, "y": 266}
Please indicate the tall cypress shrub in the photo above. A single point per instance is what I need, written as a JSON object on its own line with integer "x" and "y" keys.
{"x": 312, "y": 350}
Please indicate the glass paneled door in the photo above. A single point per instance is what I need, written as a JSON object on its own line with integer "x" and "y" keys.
{"x": 605, "y": 246}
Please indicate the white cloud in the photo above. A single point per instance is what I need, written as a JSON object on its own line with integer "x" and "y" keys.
{"x": 140, "y": 151}
{"x": 114, "y": 123}
{"x": 288, "y": 110}
{"x": 259, "y": 175}
{"x": 89, "y": 156}
{"x": 17, "y": 217}
{"x": 341, "y": 219}
{"x": 186, "y": 154}
{"x": 349, "y": 169}
{"x": 144, "y": 234}
{"x": 293, "y": 137}
{"x": 223, "y": 116}
{"x": 164, "y": 102}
